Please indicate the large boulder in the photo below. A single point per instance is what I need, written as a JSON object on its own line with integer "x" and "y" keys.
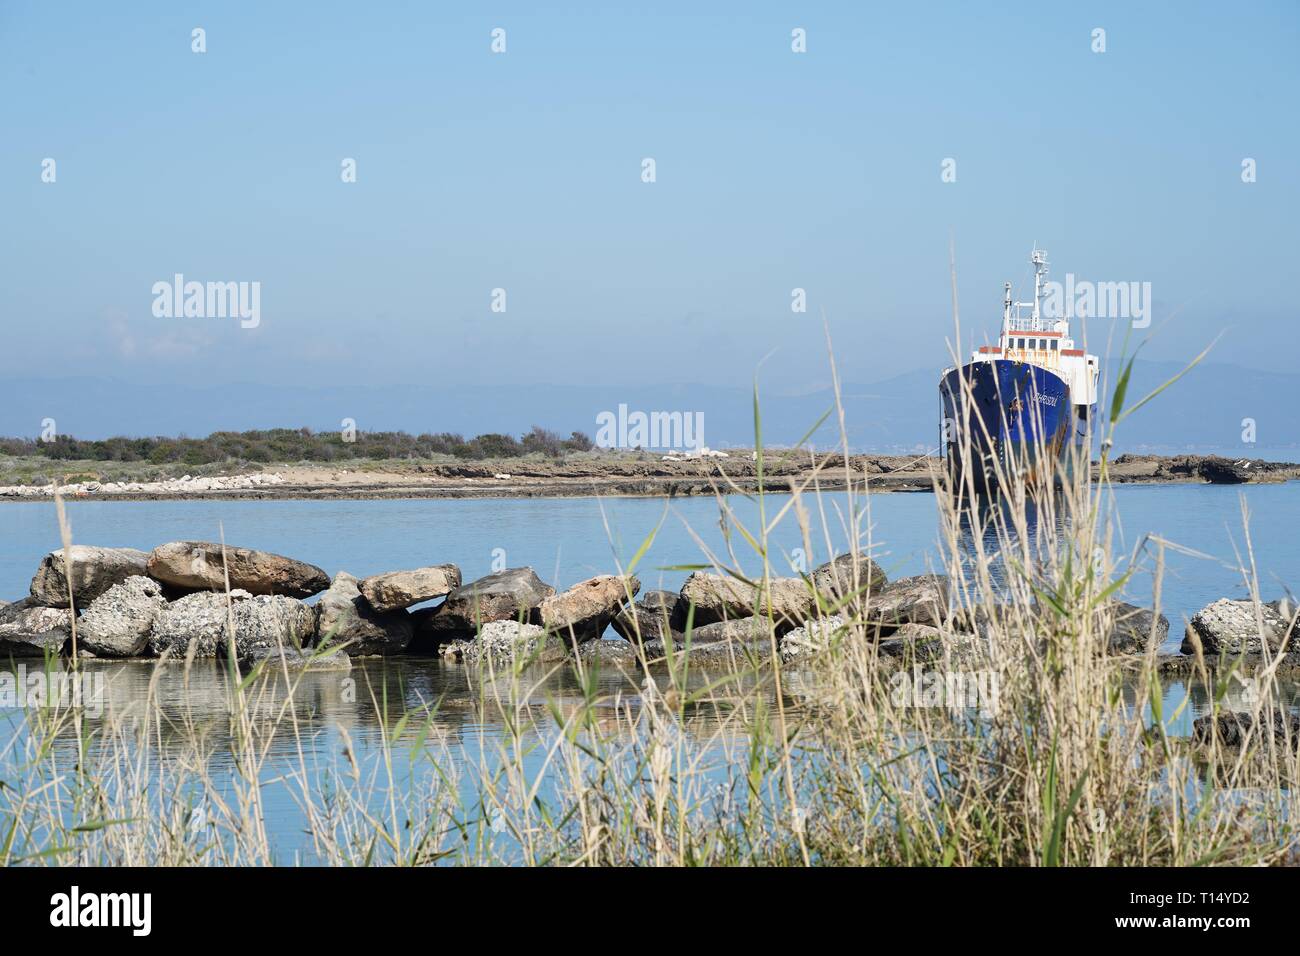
{"x": 1230, "y": 627}
{"x": 118, "y": 622}
{"x": 270, "y": 621}
{"x": 658, "y": 615}
{"x": 584, "y": 611}
{"x": 810, "y": 639}
{"x": 345, "y": 617}
{"x": 720, "y": 597}
{"x": 394, "y": 590}
{"x": 28, "y": 629}
{"x": 94, "y": 571}
{"x": 198, "y": 619}
{"x": 197, "y": 566}
{"x": 1132, "y": 626}
{"x": 503, "y": 596}
{"x": 922, "y": 599}
{"x": 835, "y": 579}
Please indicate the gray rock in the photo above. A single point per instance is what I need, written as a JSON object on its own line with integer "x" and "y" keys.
{"x": 658, "y": 615}
{"x": 198, "y": 619}
{"x": 503, "y": 596}
{"x": 810, "y": 639}
{"x": 509, "y": 642}
{"x": 1132, "y": 629}
{"x": 922, "y": 599}
{"x": 118, "y": 622}
{"x": 715, "y": 654}
{"x": 28, "y": 629}
{"x": 1231, "y": 728}
{"x": 614, "y": 653}
{"x": 747, "y": 630}
{"x": 914, "y": 642}
{"x": 344, "y": 617}
{"x": 584, "y": 611}
{"x": 197, "y": 566}
{"x": 270, "y": 621}
{"x": 1230, "y": 627}
{"x": 94, "y": 571}
{"x": 835, "y": 579}
{"x": 719, "y": 597}
{"x": 298, "y": 660}
{"x": 400, "y": 589}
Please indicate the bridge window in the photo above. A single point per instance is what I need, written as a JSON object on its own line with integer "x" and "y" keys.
{"x": 1053, "y": 345}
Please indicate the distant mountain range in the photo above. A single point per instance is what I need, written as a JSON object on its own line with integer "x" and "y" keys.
{"x": 1203, "y": 412}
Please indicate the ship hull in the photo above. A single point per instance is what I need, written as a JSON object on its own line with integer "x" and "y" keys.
{"x": 1019, "y": 420}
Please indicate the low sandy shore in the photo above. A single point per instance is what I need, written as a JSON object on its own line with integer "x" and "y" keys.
{"x": 627, "y": 475}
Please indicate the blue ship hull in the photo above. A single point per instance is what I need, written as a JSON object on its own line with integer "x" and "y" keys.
{"x": 1018, "y": 417}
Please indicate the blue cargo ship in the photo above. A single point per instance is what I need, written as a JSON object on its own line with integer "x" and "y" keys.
{"x": 1021, "y": 408}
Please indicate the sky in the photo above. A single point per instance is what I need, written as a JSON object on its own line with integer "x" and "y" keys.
{"x": 523, "y": 171}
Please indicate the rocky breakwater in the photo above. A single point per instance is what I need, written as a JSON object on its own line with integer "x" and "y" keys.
{"x": 167, "y": 488}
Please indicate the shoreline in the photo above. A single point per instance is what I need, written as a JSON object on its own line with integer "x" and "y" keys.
{"x": 637, "y": 477}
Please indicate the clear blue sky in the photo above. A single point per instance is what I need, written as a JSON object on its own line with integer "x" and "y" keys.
{"x": 522, "y": 171}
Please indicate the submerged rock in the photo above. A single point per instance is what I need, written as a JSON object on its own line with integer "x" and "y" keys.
{"x": 584, "y": 611}
{"x": 118, "y": 622}
{"x": 345, "y": 617}
{"x": 809, "y": 640}
{"x": 198, "y": 566}
{"x": 28, "y": 629}
{"x": 300, "y": 659}
{"x": 94, "y": 571}
{"x": 1232, "y": 728}
{"x": 400, "y": 589}
{"x": 509, "y": 642}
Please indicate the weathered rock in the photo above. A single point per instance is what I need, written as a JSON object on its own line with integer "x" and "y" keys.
{"x": 94, "y": 571}
{"x": 719, "y": 597}
{"x": 745, "y": 630}
{"x": 834, "y": 579}
{"x": 198, "y": 619}
{"x": 118, "y": 622}
{"x": 810, "y": 639}
{"x": 922, "y": 599}
{"x": 28, "y": 629}
{"x": 608, "y": 654}
{"x": 1227, "y": 471}
{"x": 658, "y": 615}
{"x": 197, "y": 566}
{"x": 1131, "y": 629}
{"x": 502, "y": 596}
{"x": 1230, "y": 627}
{"x": 1232, "y": 727}
{"x": 509, "y": 642}
{"x": 400, "y": 589}
{"x": 715, "y": 654}
{"x": 299, "y": 659}
{"x": 344, "y": 617}
{"x": 268, "y": 621}
{"x": 584, "y": 611}
{"x": 913, "y": 641}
